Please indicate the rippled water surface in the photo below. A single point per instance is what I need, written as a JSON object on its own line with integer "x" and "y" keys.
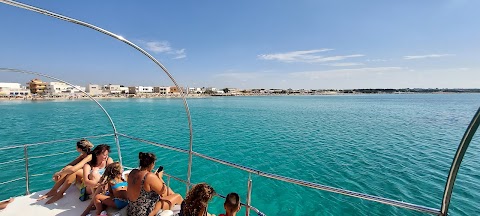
{"x": 394, "y": 146}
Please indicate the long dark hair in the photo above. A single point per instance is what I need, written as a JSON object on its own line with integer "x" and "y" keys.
{"x": 85, "y": 145}
{"x": 197, "y": 199}
{"x": 97, "y": 151}
{"x": 146, "y": 159}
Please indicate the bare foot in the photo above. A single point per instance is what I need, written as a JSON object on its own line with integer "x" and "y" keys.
{"x": 49, "y": 194}
{"x": 54, "y": 199}
{"x": 5, "y": 203}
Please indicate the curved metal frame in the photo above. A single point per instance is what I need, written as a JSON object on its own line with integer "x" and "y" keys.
{"x": 457, "y": 160}
{"x": 450, "y": 180}
{"x": 10, "y": 70}
{"x": 120, "y": 38}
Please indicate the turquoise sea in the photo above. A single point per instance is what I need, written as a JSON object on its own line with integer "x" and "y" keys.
{"x": 394, "y": 146}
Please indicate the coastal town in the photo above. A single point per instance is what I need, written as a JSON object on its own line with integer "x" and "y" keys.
{"x": 37, "y": 89}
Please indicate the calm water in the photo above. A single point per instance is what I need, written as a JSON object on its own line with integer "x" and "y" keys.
{"x": 395, "y": 146}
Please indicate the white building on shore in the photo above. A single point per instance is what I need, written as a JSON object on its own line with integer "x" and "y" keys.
{"x": 94, "y": 89}
{"x": 59, "y": 88}
{"x": 124, "y": 90}
{"x": 13, "y": 89}
{"x": 144, "y": 89}
{"x": 195, "y": 90}
{"x": 163, "y": 90}
{"x": 112, "y": 89}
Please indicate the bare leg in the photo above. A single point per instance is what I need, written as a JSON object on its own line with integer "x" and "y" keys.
{"x": 91, "y": 205}
{"x": 101, "y": 200}
{"x": 79, "y": 175}
{"x": 5, "y": 203}
{"x": 167, "y": 203}
{"x": 68, "y": 182}
{"x": 88, "y": 209}
{"x": 167, "y": 192}
{"x": 52, "y": 191}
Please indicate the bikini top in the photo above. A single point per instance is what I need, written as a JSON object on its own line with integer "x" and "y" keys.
{"x": 100, "y": 171}
{"x": 120, "y": 184}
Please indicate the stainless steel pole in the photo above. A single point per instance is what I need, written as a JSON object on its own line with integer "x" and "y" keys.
{"x": 25, "y": 152}
{"x": 249, "y": 194}
{"x": 457, "y": 160}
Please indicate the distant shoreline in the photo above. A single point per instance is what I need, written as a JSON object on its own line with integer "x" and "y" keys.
{"x": 190, "y": 96}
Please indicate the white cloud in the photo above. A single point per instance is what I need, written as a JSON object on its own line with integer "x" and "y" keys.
{"x": 426, "y": 56}
{"x": 180, "y": 54}
{"x": 348, "y": 78}
{"x": 242, "y": 76}
{"x": 308, "y": 56}
{"x": 164, "y": 47}
{"x": 342, "y": 72}
{"x": 344, "y": 64}
{"x": 158, "y": 46}
{"x": 377, "y": 60}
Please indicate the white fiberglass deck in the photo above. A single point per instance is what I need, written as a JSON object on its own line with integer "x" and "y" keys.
{"x": 28, "y": 205}
{"x": 68, "y": 205}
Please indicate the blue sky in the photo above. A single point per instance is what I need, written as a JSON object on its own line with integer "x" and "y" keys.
{"x": 250, "y": 44}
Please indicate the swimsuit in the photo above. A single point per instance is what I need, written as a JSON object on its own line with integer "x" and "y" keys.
{"x": 100, "y": 171}
{"x": 120, "y": 184}
{"x": 145, "y": 202}
{"x": 119, "y": 202}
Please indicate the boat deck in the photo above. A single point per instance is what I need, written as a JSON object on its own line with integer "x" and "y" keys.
{"x": 28, "y": 205}
{"x": 68, "y": 205}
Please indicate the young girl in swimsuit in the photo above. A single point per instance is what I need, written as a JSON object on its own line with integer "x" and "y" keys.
{"x": 112, "y": 181}
{"x": 71, "y": 173}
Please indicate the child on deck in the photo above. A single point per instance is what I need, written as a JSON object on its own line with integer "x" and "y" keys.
{"x": 112, "y": 182}
{"x": 231, "y": 205}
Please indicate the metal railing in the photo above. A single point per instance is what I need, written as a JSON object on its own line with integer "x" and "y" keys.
{"x": 473, "y": 126}
{"x": 247, "y": 205}
{"x": 317, "y": 186}
{"x": 448, "y": 187}
{"x": 26, "y": 158}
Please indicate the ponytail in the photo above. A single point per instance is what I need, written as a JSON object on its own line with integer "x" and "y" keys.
{"x": 146, "y": 159}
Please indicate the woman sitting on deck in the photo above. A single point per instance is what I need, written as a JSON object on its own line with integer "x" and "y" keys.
{"x": 147, "y": 192}
{"x": 112, "y": 182}
{"x": 70, "y": 173}
{"x": 93, "y": 170}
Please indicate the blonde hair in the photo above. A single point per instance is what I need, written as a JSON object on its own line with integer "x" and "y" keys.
{"x": 85, "y": 145}
{"x": 111, "y": 172}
